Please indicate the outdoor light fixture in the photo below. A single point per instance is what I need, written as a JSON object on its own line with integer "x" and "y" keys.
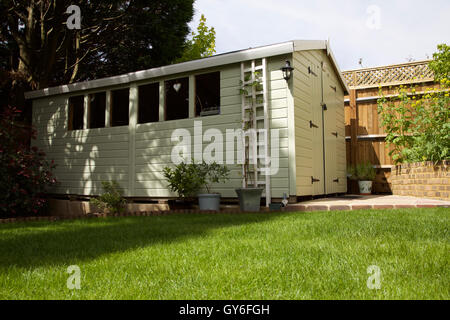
{"x": 287, "y": 70}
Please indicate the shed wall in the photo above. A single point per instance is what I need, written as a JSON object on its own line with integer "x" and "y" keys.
{"x": 135, "y": 155}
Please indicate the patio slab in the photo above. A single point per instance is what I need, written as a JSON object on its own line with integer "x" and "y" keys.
{"x": 356, "y": 202}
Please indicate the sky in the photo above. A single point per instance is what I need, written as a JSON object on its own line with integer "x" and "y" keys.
{"x": 378, "y": 32}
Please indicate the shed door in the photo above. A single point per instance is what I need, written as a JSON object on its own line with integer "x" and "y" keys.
{"x": 317, "y": 134}
{"x": 331, "y": 133}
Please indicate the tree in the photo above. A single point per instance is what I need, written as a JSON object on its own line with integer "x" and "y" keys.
{"x": 117, "y": 36}
{"x": 202, "y": 44}
{"x": 441, "y": 62}
{"x": 418, "y": 125}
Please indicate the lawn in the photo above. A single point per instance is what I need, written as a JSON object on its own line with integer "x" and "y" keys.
{"x": 316, "y": 255}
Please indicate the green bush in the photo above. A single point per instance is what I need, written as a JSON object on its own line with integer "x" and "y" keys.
{"x": 25, "y": 173}
{"x": 184, "y": 179}
{"x": 112, "y": 199}
{"x": 212, "y": 173}
{"x": 417, "y": 125}
{"x": 362, "y": 171}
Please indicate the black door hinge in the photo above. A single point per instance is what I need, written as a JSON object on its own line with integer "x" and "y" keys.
{"x": 314, "y": 180}
{"x": 311, "y": 124}
{"x": 311, "y": 72}
{"x": 324, "y": 106}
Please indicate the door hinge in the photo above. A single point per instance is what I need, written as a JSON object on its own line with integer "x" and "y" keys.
{"x": 314, "y": 180}
{"x": 336, "y": 180}
{"x": 311, "y": 72}
{"x": 324, "y": 106}
{"x": 335, "y": 134}
{"x": 311, "y": 124}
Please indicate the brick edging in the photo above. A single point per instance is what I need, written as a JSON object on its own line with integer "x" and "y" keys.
{"x": 290, "y": 208}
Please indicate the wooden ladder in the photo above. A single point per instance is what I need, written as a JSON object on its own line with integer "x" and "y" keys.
{"x": 256, "y": 102}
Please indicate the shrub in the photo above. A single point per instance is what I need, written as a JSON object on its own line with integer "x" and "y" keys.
{"x": 417, "y": 125}
{"x": 25, "y": 174}
{"x": 112, "y": 199}
{"x": 362, "y": 171}
{"x": 184, "y": 179}
{"x": 212, "y": 173}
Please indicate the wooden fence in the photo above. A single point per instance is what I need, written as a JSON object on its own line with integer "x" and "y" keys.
{"x": 364, "y": 134}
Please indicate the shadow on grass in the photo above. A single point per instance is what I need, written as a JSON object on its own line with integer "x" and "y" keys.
{"x": 68, "y": 242}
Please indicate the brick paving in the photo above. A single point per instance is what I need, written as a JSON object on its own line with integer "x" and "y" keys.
{"x": 349, "y": 202}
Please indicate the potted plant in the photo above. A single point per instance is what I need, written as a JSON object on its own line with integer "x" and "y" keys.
{"x": 211, "y": 173}
{"x": 364, "y": 173}
{"x": 185, "y": 180}
{"x": 249, "y": 197}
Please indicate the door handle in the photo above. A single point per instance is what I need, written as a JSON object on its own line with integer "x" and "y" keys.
{"x": 336, "y": 180}
{"x": 335, "y": 134}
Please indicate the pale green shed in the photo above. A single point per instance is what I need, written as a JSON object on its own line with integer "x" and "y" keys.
{"x": 121, "y": 128}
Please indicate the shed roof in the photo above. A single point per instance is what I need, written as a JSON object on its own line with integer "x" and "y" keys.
{"x": 209, "y": 62}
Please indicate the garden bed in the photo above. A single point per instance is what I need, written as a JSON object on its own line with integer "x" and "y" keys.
{"x": 422, "y": 179}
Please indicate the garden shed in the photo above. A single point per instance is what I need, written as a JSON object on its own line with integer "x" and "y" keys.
{"x": 121, "y": 128}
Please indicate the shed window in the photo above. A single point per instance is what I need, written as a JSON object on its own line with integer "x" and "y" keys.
{"x": 76, "y": 113}
{"x": 177, "y": 98}
{"x": 207, "y": 94}
{"x": 120, "y": 103}
{"x": 97, "y": 109}
{"x": 148, "y": 109}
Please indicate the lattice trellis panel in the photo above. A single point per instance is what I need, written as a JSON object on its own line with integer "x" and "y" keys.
{"x": 395, "y": 74}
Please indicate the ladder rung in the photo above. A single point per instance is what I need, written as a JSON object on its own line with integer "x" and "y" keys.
{"x": 257, "y": 93}
{"x": 250, "y": 69}
{"x": 259, "y": 105}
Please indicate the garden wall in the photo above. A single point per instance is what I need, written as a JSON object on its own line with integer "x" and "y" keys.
{"x": 422, "y": 179}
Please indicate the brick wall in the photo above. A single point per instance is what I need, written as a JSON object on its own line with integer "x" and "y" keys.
{"x": 422, "y": 179}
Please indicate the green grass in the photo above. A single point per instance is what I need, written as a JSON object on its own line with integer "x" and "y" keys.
{"x": 318, "y": 255}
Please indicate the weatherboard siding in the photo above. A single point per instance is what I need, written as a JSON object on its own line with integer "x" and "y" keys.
{"x": 135, "y": 155}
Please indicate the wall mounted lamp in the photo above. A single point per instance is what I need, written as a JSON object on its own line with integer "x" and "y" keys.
{"x": 287, "y": 70}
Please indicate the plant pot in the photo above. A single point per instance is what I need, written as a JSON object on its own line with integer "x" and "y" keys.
{"x": 181, "y": 204}
{"x": 209, "y": 201}
{"x": 249, "y": 198}
{"x": 365, "y": 187}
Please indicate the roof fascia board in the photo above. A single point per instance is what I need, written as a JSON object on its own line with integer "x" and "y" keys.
{"x": 214, "y": 61}
{"x": 301, "y": 45}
